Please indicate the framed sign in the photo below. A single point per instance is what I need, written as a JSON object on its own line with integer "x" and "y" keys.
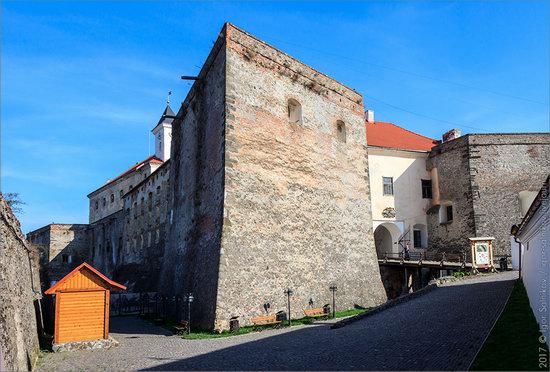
{"x": 482, "y": 253}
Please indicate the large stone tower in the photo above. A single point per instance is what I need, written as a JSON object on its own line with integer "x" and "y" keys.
{"x": 269, "y": 182}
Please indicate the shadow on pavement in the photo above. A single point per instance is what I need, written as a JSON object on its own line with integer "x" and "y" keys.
{"x": 442, "y": 330}
{"x": 133, "y": 325}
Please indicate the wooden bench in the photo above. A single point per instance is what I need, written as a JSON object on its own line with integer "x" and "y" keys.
{"x": 315, "y": 313}
{"x": 180, "y": 328}
{"x": 265, "y": 320}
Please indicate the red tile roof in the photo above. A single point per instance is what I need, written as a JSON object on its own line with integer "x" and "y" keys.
{"x": 383, "y": 134}
{"x": 150, "y": 159}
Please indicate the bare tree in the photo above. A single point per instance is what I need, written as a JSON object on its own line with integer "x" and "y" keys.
{"x": 14, "y": 201}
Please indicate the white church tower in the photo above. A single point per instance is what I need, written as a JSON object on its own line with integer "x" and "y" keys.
{"x": 163, "y": 133}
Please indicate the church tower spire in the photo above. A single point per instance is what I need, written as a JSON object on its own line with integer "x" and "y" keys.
{"x": 163, "y": 132}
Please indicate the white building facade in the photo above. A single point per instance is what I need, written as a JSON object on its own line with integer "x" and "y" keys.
{"x": 400, "y": 187}
{"x": 533, "y": 235}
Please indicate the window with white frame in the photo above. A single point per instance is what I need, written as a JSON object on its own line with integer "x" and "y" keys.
{"x": 388, "y": 185}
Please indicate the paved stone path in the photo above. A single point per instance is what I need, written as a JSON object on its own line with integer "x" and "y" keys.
{"x": 442, "y": 330}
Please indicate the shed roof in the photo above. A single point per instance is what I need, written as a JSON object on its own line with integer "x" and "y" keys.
{"x": 106, "y": 282}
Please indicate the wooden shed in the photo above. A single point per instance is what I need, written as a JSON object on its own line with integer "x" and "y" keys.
{"x": 82, "y": 305}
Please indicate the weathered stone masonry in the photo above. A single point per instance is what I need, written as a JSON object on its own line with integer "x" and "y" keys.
{"x": 19, "y": 288}
{"x": 260, "y": 203}
{"x": 483, "y": 175}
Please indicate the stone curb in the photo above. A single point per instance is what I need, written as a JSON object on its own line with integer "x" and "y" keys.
{"x": 387, "y": 305}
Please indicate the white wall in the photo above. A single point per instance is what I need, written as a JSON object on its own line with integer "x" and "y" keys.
{"x": 163, "y": 141}
{"x": 535, "y": 264}
{"x": 407, "y": 168}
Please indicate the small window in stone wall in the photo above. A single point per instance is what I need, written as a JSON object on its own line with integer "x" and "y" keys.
{"x": 112, "y": 198}
{"x": 104, "y": 202}
{"x": 157, "y": 236}
{"x": 446, "y": 213}
{"x": 449, "y": 211}
{"x": 96, "y": 204}
{"x": 341, "y": 131}
{"x": 121, "y": 193}
{"x": 294, "y": 111}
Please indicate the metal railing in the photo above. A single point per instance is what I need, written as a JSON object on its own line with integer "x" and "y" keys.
{"x": 420, "y": 256}
{"x": 156, "y": 305}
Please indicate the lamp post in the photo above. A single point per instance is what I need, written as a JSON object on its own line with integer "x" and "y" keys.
{"x": 333, "y": 288}
{"x": 189, "y": 298}
{"x": 289, "y": 293}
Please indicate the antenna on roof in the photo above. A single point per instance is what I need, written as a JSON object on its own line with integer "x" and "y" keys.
{"x": 168, "y": 98}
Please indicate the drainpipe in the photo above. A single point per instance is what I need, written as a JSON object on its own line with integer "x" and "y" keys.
{"x": 519, "y": 248}
{"x": 514, "y": 231}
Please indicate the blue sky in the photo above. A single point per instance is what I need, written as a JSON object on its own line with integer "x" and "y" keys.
{"x": 83, "y": 83}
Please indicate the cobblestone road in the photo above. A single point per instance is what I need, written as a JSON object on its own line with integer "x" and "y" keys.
{"x": 441, "y": 330}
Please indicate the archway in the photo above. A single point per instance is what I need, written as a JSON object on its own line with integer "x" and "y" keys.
{"x": 386, "y": 236}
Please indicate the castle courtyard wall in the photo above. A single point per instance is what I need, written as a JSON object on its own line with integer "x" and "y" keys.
{"x": 191, "y": 257}
{"x": 502, "y": 166}
{"x": 19, "y": 288}
{"x": 297, "y": 205}
{"x": 482, "y": 175}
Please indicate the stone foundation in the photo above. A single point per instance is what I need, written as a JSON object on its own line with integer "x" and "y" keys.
{"x": 85, "y": 345}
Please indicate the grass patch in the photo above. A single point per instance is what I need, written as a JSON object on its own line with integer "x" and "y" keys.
{"x": 350, "y": 312}
{"x": 514, "y": 345}
{"x": 201, "y": 334}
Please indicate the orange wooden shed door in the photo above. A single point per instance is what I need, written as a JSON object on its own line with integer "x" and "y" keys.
{"x": 81, "y": 316}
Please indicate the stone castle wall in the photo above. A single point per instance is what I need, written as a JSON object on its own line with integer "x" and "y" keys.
{"x": 62, "y": 247}
{"x": 452, "y": 162}
{"x": 145, "y": 215}
{"x": 297, "y": 205}
{"x": 502, "y": 166}
{"x": 105, "y": 241}
{"x": 191, "y": 260}
{"x": 19, "y": 288}
{"x": 483, "y": 175}
{"x": 261, "y": 204}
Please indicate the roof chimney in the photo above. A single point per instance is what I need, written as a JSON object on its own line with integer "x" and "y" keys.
{"x": 451, "y": 135}
{"x": 369, "y": 116}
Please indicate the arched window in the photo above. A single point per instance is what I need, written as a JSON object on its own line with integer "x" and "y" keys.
{"x": 104, "y": 202}
{"x": 341, "y": 130}
{"x": 294, "y": 112}
{"x": 121, "y": 193}
{"x": 112, "y": 198}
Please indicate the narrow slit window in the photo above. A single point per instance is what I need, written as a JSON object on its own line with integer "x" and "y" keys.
{"x": 341, "y": 130}
{"x": 294, "y": 112}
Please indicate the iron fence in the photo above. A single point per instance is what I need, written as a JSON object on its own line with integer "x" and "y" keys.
{"x": 152, "y": 304}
